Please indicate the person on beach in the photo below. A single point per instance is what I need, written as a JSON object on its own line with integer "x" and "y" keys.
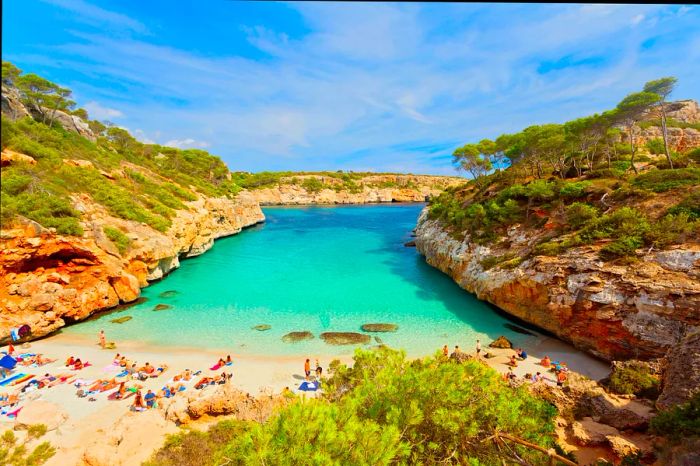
{"x": 121, "y": 391}
{"x": 561, "y": 378}
{"x": 546, "y": 362}
{"x": 70, "y": 361}
{"x": 513, "y": 362}
{"x": 307, "y": 368}
{"x": 478, "y": 348}
{"x": 521, "y": 354}
{"x": 150, "y": 399}
{"x": 445, "y": 351}
{"x": 103, "y": 340}
{"x": 457, "y": 350}
{"x": 138, "y": 402}
{"x": 77, "y": 364}
{"x": 319, "y": 369}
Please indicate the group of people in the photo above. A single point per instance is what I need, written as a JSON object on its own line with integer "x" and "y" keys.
{"x": 76, "y": 364}
{"x": 457, "y": 350}
{"x": 307, "y": 369}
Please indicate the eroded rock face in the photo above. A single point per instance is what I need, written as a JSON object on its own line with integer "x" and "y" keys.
{"x": 612, "y": 311}
{"x": 680, "y": 373}
{"x": 404, "y": 188}
{"x": 48, "y": 280}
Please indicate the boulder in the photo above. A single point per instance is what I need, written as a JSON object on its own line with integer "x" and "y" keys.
{"x": 10, "y": 157}
{"x": 121, "y": 320}
{"x": 681, "y": 372}
{"x": 380, "y": 327}
{"x": 460, "y": 357}
{"x": 587, "y": 432}
{"x": 262, "y": 327}
{"x": 127, "y": 287}
{"x": 621, "y": 447}
{"x": 293, "y": 337}
{"x": 40, "y": 412}
{"x": 345, "y": 338}
{"x": 410, "y": 244}
{"x": 167, "y": 294}
{"x": 162, "y": 307}
{"x": 501, "y": 342}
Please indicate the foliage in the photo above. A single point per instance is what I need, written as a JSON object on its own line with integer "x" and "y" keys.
{"x": 655, "y": 146}
{"x": 312, "y": 185}
{"x": 635, "y": 379}
{"x": 690, "y": 206}
{"x": 664, "y": 180}
{"x": 574, "y": 190}
{"x": 579, "y": 213}
{"x": 120, "y": 240}
{"x": 13, "y": 453}
{"x": 384, "y": 410}
{"x": 679, "y": 422}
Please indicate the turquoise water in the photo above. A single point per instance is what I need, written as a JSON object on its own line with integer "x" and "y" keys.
{"x": 309, "y": 268}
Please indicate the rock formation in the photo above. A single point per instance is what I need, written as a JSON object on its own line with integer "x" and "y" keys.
{"x": 345, "y": 338}
{"x": 612, "y": 311}
{"x": 404, "y": 188}
{"x": 379, "y": 327}
{"x": 293, "y": 337}
{"x": 48, "y": 280}
{"x": 680, "y": 373}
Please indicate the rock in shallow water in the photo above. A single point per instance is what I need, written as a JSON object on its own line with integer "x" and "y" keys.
{"x": 380, "y": 327}
{"x": 501, "y": 342}
{"x": 293, "y": 337}
{"x": 345, "y": 338}
{"x": 167, "y": 294}
{"x": 162, "y": 307}
{"x": 262, "y": 327}
{"x": 121, "y": 320}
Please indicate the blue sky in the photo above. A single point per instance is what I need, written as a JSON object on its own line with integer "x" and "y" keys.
{"x": 353, "y": 86}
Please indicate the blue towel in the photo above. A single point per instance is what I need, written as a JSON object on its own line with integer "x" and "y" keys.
{"x": 309, "y": 386}
{"x": 10, "y": 379}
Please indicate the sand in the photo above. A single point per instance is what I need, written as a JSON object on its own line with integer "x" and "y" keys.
{"x": 89, "y": 424}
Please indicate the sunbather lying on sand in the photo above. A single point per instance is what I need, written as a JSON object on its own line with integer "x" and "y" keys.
{"x": 203, "y": 382}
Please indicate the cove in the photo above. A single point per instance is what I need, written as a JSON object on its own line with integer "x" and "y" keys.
{"x": 310, "y": 268}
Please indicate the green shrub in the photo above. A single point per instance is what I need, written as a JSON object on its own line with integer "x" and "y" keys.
{"x": 605, "y": 173}
{"x": 14, "y": 183}
{"x": 16, "y": 454}
{"x": 656, "y": 146}
{"x": 679, "y": 422}
{"x": 621, "y": 247}
{"x": 679, "y": 161}
{"x": 663, "y": 180}
{"x": 694, "y": 155}
{"x": 690, "y": 206}
{"x": 579, "y": 213}
{"x": 634, "y": 379}
{"x": 120, "y": 240}
{"x": 574, "y": 190}
{"x": 670, "y": 229}
{"x": 313, "y": 185}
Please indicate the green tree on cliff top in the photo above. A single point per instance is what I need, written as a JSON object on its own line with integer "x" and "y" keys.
{"x": 663, "y": 87}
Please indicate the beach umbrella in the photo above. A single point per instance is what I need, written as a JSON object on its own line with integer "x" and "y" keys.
{"x": 8, "y": 362}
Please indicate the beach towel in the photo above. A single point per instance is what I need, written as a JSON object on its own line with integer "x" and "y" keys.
{"x": 8, "y": 362}
{"x": 215, "y": 367}
{"x": 14, "y": 413}
{"x": 10, "y": 379}
{"x": 22, "y": 379}
{"x": 309, "y": 386}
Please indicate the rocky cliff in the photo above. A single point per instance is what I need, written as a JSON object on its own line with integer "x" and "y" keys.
{"x": 368, "y": 189}
{"x": 49, "y": 280}
{"x": 610, "y": 310}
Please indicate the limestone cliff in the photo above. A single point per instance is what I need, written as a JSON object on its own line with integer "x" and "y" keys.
{"x": 49, "y": 280}
{"x": 612, "y": 311}
{"x": 368, "y": 189}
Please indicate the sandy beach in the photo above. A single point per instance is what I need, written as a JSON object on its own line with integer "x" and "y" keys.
{"x": 89, "y": 424}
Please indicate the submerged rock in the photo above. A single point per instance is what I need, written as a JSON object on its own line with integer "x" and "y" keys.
{"x": 410, "y": 244}
{"x": 378, "y": 340}
{"x": 380, "y": 327}
{"x": 262, "y": 327}
{"x": 121, "y": 320}
{"x": 501, "y": 342}
{"x": 168, "y": 294}
{"x": 162, "y": 307}
{"x": 293, "y": 337}
{"x": 345, "y": 338}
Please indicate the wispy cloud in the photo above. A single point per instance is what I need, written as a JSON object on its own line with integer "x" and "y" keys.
{"x": 99, "y": 112}
{"x": 362, "y": 85}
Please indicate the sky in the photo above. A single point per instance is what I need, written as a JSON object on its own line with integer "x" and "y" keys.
{"x": 346, "y": 86}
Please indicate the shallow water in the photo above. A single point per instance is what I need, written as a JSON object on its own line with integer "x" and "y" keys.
{"x": 309, "y": 268}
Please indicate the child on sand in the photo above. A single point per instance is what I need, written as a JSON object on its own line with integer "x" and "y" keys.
{"x": 319, "y": 369}
{"x": 103, "y": 340}
{"x": 513, "y": 362}
{"x": 545, "y": 362}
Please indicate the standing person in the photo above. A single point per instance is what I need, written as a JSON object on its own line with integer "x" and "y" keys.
{"x": 150, "y": 399}
{"x": 478, "y": 348}
{"x": 103, "y": 340}
{"x": 319, "y": 369}
{"x": 307, "y": 368}
{"x": 561, "y": 378}
{"x": 445, "y": 351}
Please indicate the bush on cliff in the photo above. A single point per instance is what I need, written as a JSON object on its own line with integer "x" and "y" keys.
{"x": 635, "y": 379}
{"x": 389, "y": 410}
{"x": 679, "y": 422}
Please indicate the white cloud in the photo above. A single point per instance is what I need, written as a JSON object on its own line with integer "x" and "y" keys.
{"x": 637, "y": 19}
{"x": 187, "y": 143}
{"x": 99, "y": 112}
{"x": 96, "y": 16}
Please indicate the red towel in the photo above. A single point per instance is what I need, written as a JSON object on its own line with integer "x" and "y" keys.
{"x": 215, "y": 367}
